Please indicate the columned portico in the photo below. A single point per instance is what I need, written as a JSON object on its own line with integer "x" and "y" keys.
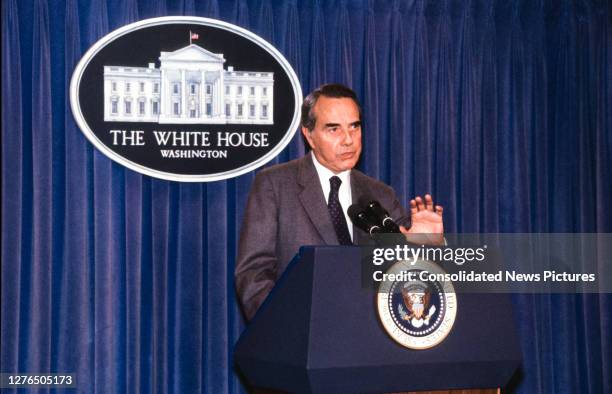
{"x": 190, "y": 86}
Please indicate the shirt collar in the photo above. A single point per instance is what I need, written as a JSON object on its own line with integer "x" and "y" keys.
{"x": 325, "y": 173}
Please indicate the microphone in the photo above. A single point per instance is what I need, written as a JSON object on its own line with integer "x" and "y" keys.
{"x": 362, "y": 220}
{"x": 374, "y": 209}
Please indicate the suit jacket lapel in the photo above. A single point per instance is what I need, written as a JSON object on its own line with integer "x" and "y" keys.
{"x": 313, "y": 201}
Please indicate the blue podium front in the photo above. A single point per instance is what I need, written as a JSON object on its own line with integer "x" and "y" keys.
{"x": 319, "y": 331}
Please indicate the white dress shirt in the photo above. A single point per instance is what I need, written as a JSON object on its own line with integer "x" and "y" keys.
{"x": 344, "y": 193}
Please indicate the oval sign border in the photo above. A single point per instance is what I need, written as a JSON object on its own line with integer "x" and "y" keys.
{"x": 166, "y": 20}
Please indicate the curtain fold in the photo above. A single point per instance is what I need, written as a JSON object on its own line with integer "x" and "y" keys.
{"x": 12, "y": 141}
{"x": 397, "y": 161}
{"x": 38, "y": 289}
{"x": 290, "y": 44}
{"x": 369, "y": 95}
{"x": 75, "y": 307}
{"x": 318, "y": 47}
{"x": 500, "y": 109}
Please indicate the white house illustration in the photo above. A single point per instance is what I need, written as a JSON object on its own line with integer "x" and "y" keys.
{"x": 191, "y": 86}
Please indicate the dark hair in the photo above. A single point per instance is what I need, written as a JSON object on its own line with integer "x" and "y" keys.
{"x": 333, "y": 90}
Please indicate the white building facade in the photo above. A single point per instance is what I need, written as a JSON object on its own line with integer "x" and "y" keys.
{"x": 192, "y": 87}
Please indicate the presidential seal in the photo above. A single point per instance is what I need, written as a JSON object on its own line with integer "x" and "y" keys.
{"x": 417, "y": 312}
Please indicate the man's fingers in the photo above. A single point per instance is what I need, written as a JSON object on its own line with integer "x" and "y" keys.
{"x": 420, "y": 204}
{"x": 413, "y": 207}
{"x": 429, "y": 203}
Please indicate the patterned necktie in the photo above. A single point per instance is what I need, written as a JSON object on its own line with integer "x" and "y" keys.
{"x": 336, "y": 213}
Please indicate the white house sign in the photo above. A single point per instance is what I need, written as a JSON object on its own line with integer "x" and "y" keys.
{"x": 186, "y": 98}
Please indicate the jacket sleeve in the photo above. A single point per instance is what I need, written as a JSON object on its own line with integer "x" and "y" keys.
{"x": 257, "y": 263}
{"x": 396, "y": 210}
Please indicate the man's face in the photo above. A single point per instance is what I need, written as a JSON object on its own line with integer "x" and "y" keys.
{"x": 336, "y": 137}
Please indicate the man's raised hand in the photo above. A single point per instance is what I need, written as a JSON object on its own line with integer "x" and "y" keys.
{"x": 427, "y": 226}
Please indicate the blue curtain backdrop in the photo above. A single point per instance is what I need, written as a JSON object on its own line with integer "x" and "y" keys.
{"x": 501, "y": 109}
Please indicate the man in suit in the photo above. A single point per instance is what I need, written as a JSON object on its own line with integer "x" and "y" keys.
{"x": 305, "y": 201}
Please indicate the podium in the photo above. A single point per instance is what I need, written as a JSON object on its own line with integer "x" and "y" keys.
{"x": 318, "y": 331}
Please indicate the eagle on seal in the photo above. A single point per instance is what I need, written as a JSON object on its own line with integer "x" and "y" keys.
{"x": 416, "y": 298}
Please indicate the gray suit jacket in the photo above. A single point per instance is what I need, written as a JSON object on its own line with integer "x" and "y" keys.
{"x": 286, "y": 209}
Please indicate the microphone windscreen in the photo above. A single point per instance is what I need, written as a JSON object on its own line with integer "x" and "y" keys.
{"x": 361, "y": 220}
{"x": 354, "y": 211}
{"x": 379, "y": 214}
